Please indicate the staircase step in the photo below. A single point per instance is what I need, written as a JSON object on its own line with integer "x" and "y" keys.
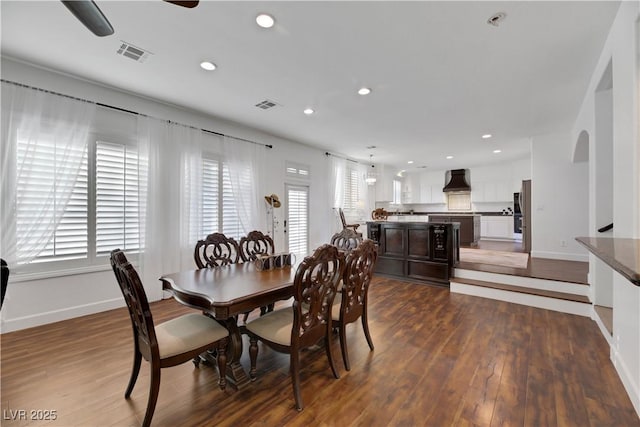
{"x": 523, "y": 281}
{"x": 525, "y": 290}
{"x": 541, "y": 298}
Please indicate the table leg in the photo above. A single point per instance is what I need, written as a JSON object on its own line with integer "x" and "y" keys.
{"x": 235, "y": 372}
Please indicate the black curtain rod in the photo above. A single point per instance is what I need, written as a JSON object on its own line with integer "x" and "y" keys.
{"x": 340, "y": 157}
{"x": 130, "y": 112}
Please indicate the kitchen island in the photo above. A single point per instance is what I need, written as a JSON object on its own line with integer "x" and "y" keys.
{"x": 419, "y": 251}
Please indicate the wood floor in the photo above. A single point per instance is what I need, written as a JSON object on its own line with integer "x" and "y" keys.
{"x": 441, "y": 359}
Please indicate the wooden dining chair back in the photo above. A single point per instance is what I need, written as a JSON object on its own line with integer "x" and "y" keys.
{"x": 344, "y": 221}
{"x": 255, "y": 244}
{"x": 346, "y": 240}
{"x": 168, "y": 344}
{"x": 4, "y": 278}
{"x": 308, "y": 320}
{"x": 352, "y": 305}
{"x": 216, "y": 250}
{"x": 379, "y": 214}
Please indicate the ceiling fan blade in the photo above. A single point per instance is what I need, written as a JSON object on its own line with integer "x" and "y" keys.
{"x": 189, "y": 4}
{"x": 91, "y": 16}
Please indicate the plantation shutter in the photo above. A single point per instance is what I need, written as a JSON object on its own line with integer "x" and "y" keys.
{"x": 117, "y": 198}
{"x": 298, "y": 220}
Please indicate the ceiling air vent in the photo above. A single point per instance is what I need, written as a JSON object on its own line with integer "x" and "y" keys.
{"x": 133, "y": 52}
{"x": 266, "y": 104}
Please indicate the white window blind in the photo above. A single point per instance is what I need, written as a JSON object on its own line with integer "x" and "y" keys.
{"x": 118, "y": 194}
{"x": 219, "y": 211}
{"x": 351, "y": 192}
{"x": 69, "y": 239}
{"x": 298, "y": 220}
{"x": 210, "y": 196}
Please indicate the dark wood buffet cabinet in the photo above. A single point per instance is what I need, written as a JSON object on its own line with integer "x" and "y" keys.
{"x": 421, "y": 251}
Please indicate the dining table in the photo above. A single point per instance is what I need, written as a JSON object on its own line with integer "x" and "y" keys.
{"x": 227, "y": 292}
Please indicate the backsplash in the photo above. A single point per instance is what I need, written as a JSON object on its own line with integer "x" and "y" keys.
{"x": 442, "y": 207}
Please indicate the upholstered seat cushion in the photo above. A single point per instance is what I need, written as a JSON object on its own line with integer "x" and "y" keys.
{"x": 335, "y": 309}
{"x": 187, "y": 333}
{"x": 275, "y": 326}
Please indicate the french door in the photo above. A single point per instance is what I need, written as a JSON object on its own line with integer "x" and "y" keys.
{"x": 296, "y": 226}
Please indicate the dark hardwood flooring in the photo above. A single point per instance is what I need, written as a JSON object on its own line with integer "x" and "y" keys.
{"x": 441, "y": 359}
{"x": 542, "y": 268}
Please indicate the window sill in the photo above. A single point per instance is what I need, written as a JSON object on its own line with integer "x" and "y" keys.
{"x": 41, "y": 275}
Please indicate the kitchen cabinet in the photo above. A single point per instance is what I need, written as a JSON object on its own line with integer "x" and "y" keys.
{"x": 469, "y": 226}
{"x": 421, "y": 251}
{"x": 492, "y": 192}
{"x": 498, "y": 227}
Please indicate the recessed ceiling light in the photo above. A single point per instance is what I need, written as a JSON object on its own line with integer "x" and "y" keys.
{"x": 308, "y": 111}
{"x": 364, "y": 91}
{"x": 449, "y": 157}
{"x": 497, "y": 151}
{"x": 209, "y": 66}
{"x": 410, "y": 162}
{"x": 486, "y": 136}
{"x": 265, "y": 21}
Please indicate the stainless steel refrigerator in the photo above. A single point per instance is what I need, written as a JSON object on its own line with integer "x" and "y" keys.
{"x": 525, "y": 209}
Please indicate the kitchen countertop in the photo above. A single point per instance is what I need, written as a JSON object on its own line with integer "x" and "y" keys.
{"x": 623, "y": 255}
{"x": 449, "y": 213}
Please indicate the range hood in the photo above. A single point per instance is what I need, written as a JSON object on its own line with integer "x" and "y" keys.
{"x": 457, "y": 181}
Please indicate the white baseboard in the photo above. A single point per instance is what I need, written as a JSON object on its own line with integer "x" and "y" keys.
{"x": 628, "y": 382}
{"x": 560, "y": 255}
{"x": 39, "y": 319}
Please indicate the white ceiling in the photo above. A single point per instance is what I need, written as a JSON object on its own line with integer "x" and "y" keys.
{"x": 440, "y": 75}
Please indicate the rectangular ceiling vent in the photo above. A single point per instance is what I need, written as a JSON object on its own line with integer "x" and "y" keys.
{"x": 133, "y": 52}
{"x": 266, "y": 104}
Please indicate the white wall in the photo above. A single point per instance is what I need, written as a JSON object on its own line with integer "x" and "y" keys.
{"x": 622, "y": 50}
{"x": 34, "y": 302}
{"x": 559, "y": 199}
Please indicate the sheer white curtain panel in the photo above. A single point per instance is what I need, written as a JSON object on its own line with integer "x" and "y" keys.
{"x": 337, "y": 173}
{"x": 44, "y": 144}
{"x": 246, "y": 162}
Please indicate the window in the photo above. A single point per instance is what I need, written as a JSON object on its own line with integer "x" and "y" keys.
{"x": 118, "y": 194}
{"x": 297, "y": 220}
{"x": 297, "y": 170}
{"x": 397, "y": 192}
{"x": 219, "y": 212}
{"x": 69, "y": 239}
{"x": 351, "y": 190}
{"x": 104, "y": 209}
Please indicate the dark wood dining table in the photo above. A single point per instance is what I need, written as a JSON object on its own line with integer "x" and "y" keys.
{"x": 225, "y": 293}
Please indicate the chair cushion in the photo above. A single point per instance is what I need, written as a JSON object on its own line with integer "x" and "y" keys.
{"x": 187, "y": 333}
{"x": 275, "y": 326}
{"x": 335, "y": 309}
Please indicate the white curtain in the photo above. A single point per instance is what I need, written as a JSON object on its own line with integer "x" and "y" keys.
{"x": 337, "y": 173}
{"x": 172, "y": 212}
{"x": 246, "y": 161}
{"x": 51, "y": 127}
{"x": 364, "y": 202}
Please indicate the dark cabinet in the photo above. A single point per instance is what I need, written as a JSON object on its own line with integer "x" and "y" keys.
{"x": 469, "y": 226}
{"x": 423, "y": 251}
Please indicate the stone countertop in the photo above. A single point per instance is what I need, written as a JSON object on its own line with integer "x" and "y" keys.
{"x": 448, "y": 213}
{"x": 623, "y": 255}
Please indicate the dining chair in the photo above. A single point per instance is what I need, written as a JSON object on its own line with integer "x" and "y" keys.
{"x": 252, "y": 246}
{"x": 4, "y": 279}
{"x": 344, "y": 221}
{"x": 346, "y": 240}
{"x": 354, "y": 294}
{"x": 216, "y": 250}
{"x": 302, "y": 325}
{"x": 255, "y": 244}
{"x": 169, "y": 343}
